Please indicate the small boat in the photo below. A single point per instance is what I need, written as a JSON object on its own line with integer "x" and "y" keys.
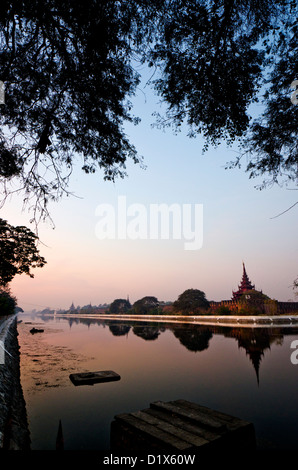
{"x": 90, "y": 378}
{"x": 36, "y": 330}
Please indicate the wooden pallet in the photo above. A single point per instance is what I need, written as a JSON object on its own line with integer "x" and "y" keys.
{"x": 179, "y": 426}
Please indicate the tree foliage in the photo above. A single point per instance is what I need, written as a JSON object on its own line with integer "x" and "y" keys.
{"x": 69, "y": 69}
{"x": 120, "y": 306}
{"x": 252, "y": 302}
{"x": 18, "y": 252}
{"x": 146, "y": 306}
{"x": 223, "y": 310}
{"x": 191, "y": 302}
{"x": 7, "y": 302}
{"x": 295, "y": 285}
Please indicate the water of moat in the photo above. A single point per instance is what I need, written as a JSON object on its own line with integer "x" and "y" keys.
{"x": 245, "y": 372}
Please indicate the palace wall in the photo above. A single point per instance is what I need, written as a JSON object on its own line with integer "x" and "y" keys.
{"x": 279, "y": 307}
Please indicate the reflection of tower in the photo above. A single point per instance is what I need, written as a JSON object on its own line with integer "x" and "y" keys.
{"x": 244, "y": 286}
{"x": 255, "y": 355}
{"x": 254, "y": 341}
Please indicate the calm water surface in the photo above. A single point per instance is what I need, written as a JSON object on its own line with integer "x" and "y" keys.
{"x": 245, "y": 372}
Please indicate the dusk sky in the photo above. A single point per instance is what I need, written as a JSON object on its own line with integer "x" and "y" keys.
{"x": 238, "y": 225}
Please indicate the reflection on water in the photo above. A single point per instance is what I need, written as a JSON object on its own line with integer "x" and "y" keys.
{"x": 45, "y": 365}
{"x": 194, "y": 339}
{"x": 256, "y": 341}
{"x": 146, "y": 332}
{"x": 245, "y": 372}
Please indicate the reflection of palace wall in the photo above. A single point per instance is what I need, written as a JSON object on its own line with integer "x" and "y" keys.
{"x": 282, "y": 307}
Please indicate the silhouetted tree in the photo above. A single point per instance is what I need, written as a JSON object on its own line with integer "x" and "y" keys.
{"x": 18, "y": 252}
{"x": 252, "y": 302}
{"x": 214, "y": 58}
{"x": 69, "y": 72}
{"x": 146, "y": 306}
{"x": 7, "y": 302}
{"x": 120, "y": 306}
{"x": 191, "y": 302}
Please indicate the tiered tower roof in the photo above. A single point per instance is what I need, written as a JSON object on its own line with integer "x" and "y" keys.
{"x": 244, "y": 286}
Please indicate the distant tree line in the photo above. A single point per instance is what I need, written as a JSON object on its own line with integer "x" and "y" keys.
{"x": 190, "y": 302}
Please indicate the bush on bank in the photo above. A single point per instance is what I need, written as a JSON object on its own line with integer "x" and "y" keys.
{"x": 7, "y": 302}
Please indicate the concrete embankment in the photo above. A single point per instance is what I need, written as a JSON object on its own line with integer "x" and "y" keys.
{"x": 14, "y": 432}
{"x": 245, "y": 321}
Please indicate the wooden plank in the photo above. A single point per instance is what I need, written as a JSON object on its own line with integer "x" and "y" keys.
{"x": 182, "y": 434}
{"x": 193, "y": 415}
{"x": 90, "y": 378}
{"x": 184, "y": 425}
{"x": 170, "y": 441}
{"x": 239, "y": 432}
{"x": 124, "y": 438}
{"x": 230, "y": 421}
{"x": 181, "y": 426}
